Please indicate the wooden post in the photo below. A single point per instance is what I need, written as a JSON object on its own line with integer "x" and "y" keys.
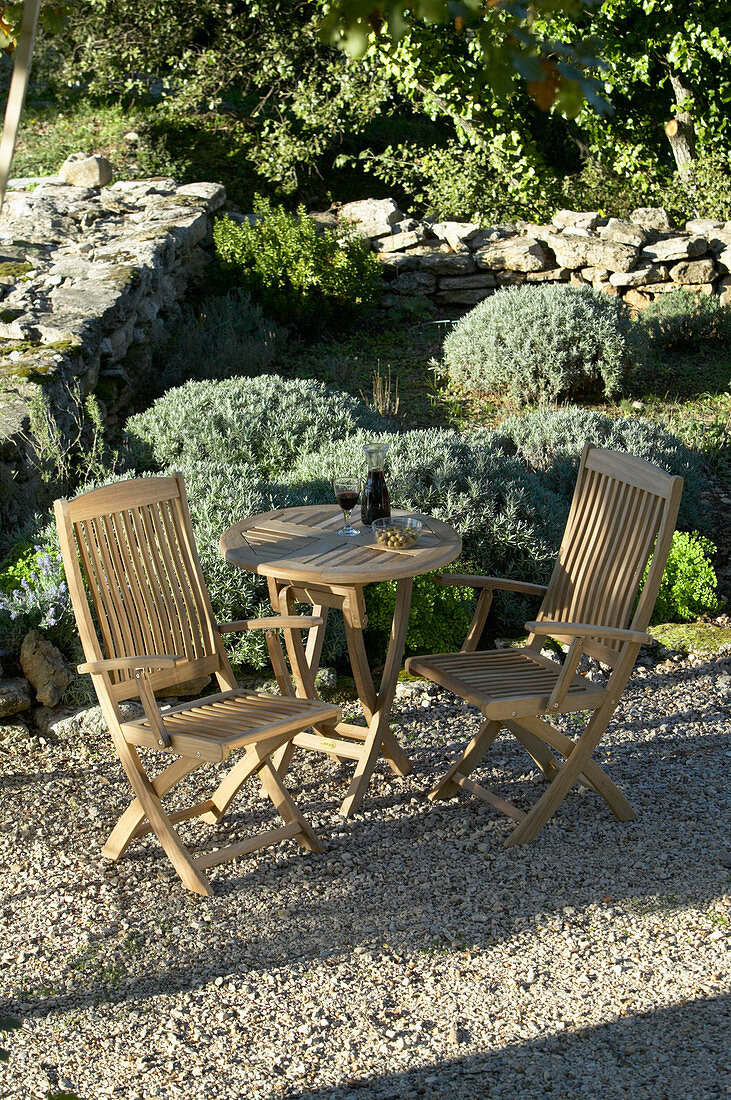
{"x": 18, "y": 88}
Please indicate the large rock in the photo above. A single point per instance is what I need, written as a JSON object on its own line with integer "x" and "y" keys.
{"x": 68, "y": 724}
{"x": 676, "y": 248}
{"x": 455, "y": 233}
{"x": 398, "y": 242}
{"x": 82, "y": 170}
{"x": 706, "y": 226}
{"x": 514, "y": 254}
{"x": 652, "y": 217}
{"x": 464, "y": 297}
{"x": 45, "y": 668}
{"x": 414, "y": 283}
{"x": 619, "y": 231}
{"x": 576, "y": 219}
{"x": 724, "y": 291}
{"x": 371, "y": 217}
{"x": 693, "y": 271}
{"x": 450, "y": 263}
{"x": 643, "y": 273}
{"x": 14, "y": 697}
{"x": 575, "y": 252}
{"x": 467, "y": 282}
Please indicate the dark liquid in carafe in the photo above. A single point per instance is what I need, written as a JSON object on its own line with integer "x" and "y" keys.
{"x": 376, "y": 503}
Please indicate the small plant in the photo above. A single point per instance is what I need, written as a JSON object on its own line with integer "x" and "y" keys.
{"x": 34, "y": 594}
{"x": 545, "y": 343}
{"x": 385, "y": 393}
{"x": 75, "y": 453}
{"x": 688, "y": 586}
{"x": 683, "y": 321}
{"x": 300, "y": 276}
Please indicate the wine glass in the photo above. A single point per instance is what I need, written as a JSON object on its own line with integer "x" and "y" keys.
{"x": 347, "y": 491}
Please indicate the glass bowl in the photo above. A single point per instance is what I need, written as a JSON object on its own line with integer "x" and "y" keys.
{"x": 398, "y": 532}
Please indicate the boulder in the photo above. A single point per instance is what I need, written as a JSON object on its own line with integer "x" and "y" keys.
{"x": 554, "y": 275}
{"x": 68, "y": 724}
{"x": 414, "y": 282}
{"x": 451, "y": 263}
{"x": 485, "y": 237}
{"x": 455, "y": 233}
{"x": 652, "y": 217}
{"x": 693, "y": 271}
{"x": 574, "y": 252}
{"x": 516, "y": 254}
{"x": 14, "y": 696}
{"x": 720, "y": 243}
{"x": 676, "y": 248}
{"x": 371, "y": 217}
{"x": 395, "y": 262}
{"x": 623, "y": 232}
{"x": 637, "y": 299}
{"x": 398, "y": 242}
{"x": 45, "y": 668}
{"x": 706, "y": 226}
{"x": 644, "y": 273}
{"x": 576, "y": 219}
{"x": 464, "y": 297}
{"x": 467, "y": 282}
{"x": 82, "y": 170}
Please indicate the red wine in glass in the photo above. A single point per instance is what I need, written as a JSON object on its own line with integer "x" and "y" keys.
{"x": 347, "y": 492}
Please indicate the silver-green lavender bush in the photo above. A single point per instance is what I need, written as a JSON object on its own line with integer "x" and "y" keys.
{"x": 544, "y": 343}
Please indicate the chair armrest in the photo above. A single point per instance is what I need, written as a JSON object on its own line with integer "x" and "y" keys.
{"x": 499, "y": 584}
{"x": 587, "y": 630}
{"x": 115, "y": 664}
{"x": 272, "y": 623}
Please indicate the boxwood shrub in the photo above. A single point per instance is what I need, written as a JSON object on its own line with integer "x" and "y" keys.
{"x": 544, "y": 343}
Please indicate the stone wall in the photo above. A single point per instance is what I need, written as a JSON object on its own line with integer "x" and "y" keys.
{"x": 89, "y": 278}
{"x": 457, "y": 264}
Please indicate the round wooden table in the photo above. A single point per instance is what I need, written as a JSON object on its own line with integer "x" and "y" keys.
{"x": 305, "y": 561}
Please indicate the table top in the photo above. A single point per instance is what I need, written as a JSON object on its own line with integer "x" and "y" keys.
{"x": 301, "y": 544}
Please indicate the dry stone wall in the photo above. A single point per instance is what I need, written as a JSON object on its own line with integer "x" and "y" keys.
{"x": 89, "y": 279}
{"x": 457, "y": 264}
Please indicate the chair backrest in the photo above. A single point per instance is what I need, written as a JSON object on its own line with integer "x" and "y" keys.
{"x": 130, "y": 546}
{"x": 622, "y": 514}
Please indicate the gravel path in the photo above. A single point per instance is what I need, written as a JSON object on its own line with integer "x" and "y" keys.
{"x": 416, "y": 957}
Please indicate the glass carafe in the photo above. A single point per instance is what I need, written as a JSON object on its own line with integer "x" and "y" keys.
{"x": 375, "y": 503}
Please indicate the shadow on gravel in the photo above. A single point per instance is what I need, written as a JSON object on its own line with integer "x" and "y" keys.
{"x": 677, "y": 1053}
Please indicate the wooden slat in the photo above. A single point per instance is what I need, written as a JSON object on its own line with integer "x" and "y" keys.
{"x": 246, "y": 847}
{"x": 121, "y": 496}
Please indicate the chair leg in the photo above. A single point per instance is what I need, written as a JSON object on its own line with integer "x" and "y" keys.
{"x": 287, "y": 809}
{"x": 576, "y": 763}
{"x": 172, "y": 845}
{"x": 536, "y": 749}
{"x": 468, "y": 761}
{"x": 123, "y": 832}
{"x": 592, "y": 774}
{"x": 254, "y": 758}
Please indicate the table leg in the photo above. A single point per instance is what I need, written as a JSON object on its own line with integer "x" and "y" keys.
{"x": 377, "y": 707}
{"x": 302, "y": 671}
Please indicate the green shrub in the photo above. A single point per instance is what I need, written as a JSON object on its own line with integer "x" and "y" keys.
{"x": 684, "y": 321}
{"x": 262, "y": 423}
{"x": 300, "y": 276}
{"x": 438, "y": 620}
{"x": 544, "y": 343}
{"x": 228, "y": 336}
{"x": 688, "y": 586}
{"x": 550, "y": 441}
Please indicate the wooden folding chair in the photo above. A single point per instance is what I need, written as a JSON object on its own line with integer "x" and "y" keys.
{"x": 132, "y": 545}
{"x": 622, "y": 515}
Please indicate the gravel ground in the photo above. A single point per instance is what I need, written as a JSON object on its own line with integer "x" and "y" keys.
{"x": 415, "y": 957}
